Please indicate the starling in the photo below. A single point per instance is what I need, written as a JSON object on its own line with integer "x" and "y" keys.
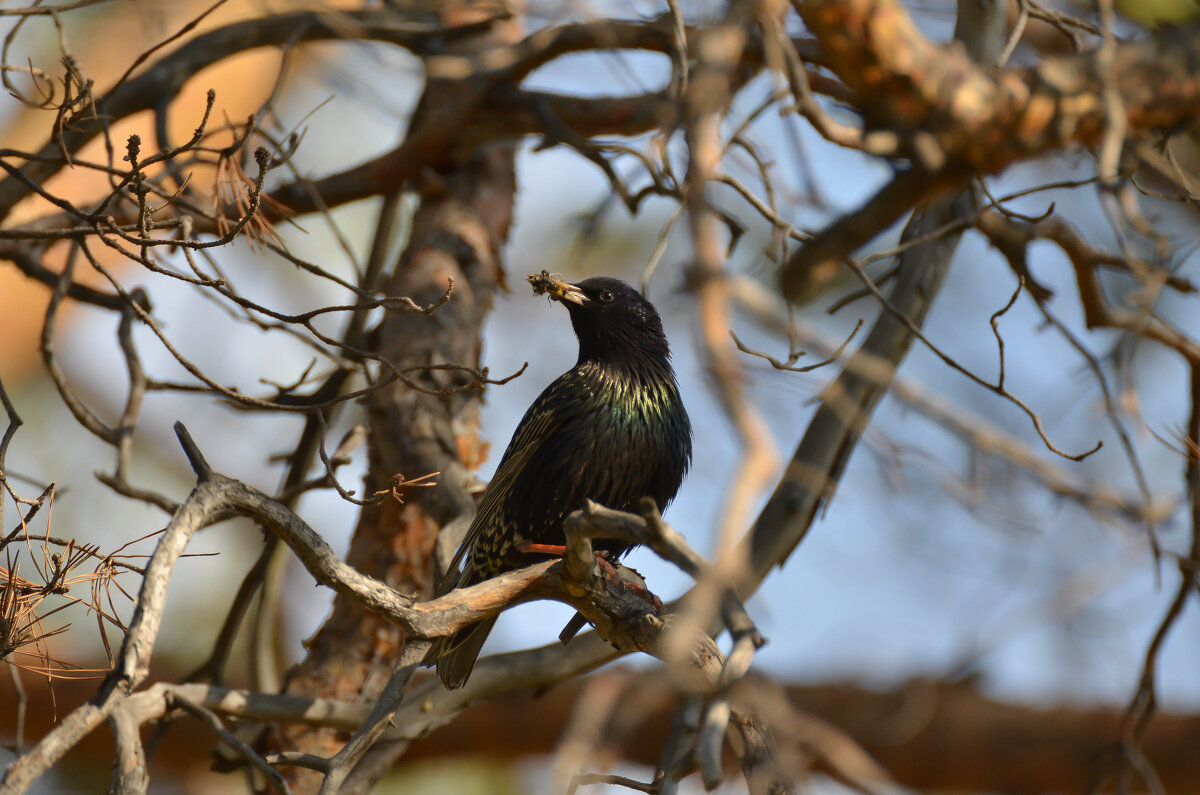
{"x": 612, "y": 429}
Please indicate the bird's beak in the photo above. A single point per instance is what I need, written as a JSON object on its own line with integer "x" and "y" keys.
{"x": 558, "y": 289}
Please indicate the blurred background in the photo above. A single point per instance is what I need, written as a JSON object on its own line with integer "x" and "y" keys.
{"x": 933, "y": 560}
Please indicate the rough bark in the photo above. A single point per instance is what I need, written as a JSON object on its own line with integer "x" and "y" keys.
{"x": 457, "y": 237}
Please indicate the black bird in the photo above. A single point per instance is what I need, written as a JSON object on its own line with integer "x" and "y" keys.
{"x": 611, "y": 429}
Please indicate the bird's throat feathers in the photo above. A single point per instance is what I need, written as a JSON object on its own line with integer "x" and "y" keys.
{"x": 628, "y": 364}
{"x": 637, "y": 352}
{"x": 643, "y": 387}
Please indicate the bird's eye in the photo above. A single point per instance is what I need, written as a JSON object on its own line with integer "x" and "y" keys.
{"x": 606, "y": 296}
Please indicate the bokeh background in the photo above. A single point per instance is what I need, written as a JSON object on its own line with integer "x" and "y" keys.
{"x": 931, "y": 561}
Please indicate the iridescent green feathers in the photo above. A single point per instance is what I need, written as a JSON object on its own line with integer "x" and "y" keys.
{"x": 612, "y": 429}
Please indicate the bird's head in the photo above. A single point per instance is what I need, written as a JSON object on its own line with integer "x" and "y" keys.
{"x": 612, "y": 320}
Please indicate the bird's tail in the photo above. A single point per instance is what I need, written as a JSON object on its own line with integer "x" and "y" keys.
{"x": 455, "y": 656}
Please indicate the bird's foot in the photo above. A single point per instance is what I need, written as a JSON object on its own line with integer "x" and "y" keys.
{"x": 645, "y": 593}
{"x": 606, "y": 568}
{"x": 634, "y": 584}
{"x": 542, "y": 549}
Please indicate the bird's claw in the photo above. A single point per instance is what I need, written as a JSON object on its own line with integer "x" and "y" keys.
{"x": 636, "y": 588}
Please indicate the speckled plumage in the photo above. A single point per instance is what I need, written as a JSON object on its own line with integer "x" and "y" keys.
{"x": 612, "y": 429}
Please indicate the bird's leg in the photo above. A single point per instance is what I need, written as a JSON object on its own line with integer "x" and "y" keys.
{"x": 542, "y": 549}
{"x": 604, "y": 561}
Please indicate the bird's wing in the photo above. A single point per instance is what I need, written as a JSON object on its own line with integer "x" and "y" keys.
{"x": 538, "y": 425}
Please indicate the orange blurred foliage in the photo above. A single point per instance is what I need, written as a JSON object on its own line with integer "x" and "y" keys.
{"x": 241, "y": 83}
